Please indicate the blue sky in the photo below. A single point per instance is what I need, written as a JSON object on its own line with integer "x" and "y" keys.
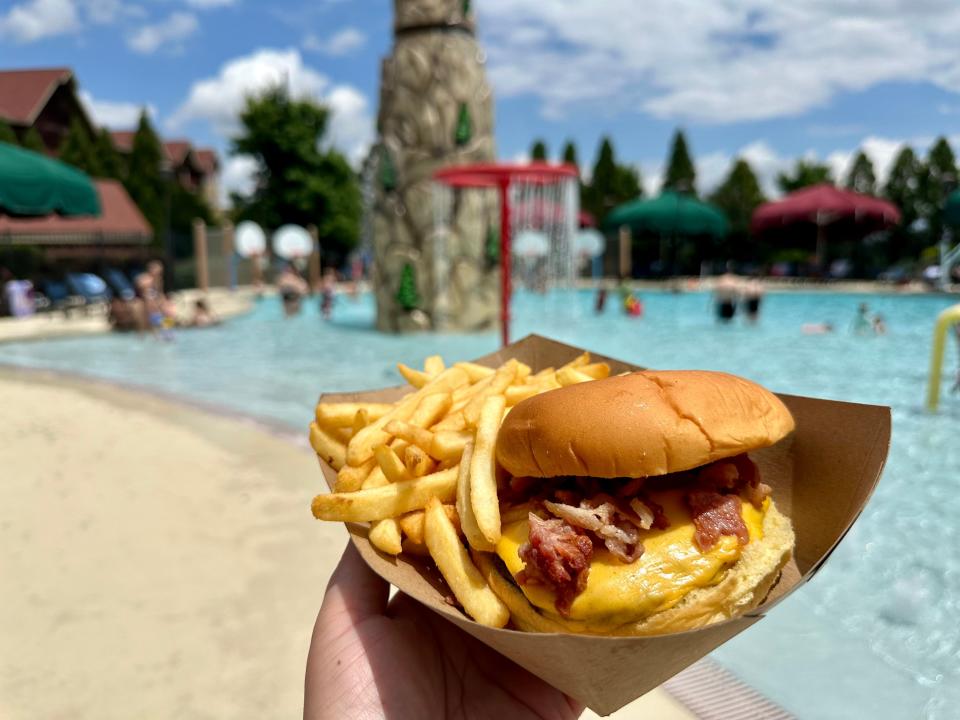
{"x": 762, "y": 78}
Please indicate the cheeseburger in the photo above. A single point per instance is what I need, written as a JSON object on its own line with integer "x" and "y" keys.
{"x": 632, "y": 506}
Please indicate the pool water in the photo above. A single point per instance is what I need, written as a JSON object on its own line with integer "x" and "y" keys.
{"x": 875, "y": 634}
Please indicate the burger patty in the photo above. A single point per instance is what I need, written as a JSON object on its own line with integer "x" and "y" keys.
{"x": 576, "y": 514}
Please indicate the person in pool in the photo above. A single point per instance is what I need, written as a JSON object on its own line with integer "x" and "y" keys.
{"x": 327, "y": 287}
{"x": 726, "y": 293}
{"x": 292, "y": 287}
{"x": 863, "y": 322}
{"x": 752, "y": 296}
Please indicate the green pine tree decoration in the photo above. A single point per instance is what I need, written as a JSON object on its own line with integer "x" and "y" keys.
{"x": 407, "y": 297}
{"x": 7, "y": 134}
{"x": 388, "y": 170}
{"x": 464, "y": 126}
{"x": 492, "y": 247}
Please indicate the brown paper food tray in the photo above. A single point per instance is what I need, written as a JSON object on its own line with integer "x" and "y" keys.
{"x": 822, "y": 476}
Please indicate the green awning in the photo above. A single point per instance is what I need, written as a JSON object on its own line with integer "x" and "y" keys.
{"x": 32, "y": 184}
{"x": 670, "y": 213}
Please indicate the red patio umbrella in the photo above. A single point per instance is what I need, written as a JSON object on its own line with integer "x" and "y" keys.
{"x": 824, "y": 205}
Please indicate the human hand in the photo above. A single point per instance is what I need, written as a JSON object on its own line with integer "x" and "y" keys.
{"x": 371, "y": 659}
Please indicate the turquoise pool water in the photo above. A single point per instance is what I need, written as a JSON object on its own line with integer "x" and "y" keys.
{"x": 875, "y": 634}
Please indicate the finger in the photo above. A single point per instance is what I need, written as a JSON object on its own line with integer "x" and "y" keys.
{"x": 356, "y": 588}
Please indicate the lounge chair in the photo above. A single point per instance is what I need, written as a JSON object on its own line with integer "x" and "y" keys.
{"x": 59, "y": 297}
{"x": 90, "y": 287}
{"x": 119, "y": 284}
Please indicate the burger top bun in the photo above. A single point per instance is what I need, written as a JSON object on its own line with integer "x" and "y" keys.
{"x": 639, "y": 425}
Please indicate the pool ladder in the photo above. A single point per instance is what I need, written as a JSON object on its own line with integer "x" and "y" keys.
{"x": 945, "y": 320}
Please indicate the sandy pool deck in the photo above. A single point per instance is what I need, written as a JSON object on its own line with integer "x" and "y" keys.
{"x": 158, "y": 561}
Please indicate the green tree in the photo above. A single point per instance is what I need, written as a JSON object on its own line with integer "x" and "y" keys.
{"x": 681, "y": 175}
{"x": 298, "y": 181}
{"x": 144, "y": 181}
{"x": 805, "y": 173}
{"x": 570, "y": 154}
{"x": 903, "y": 190}
{"x": 77, "y": 149}
{"x": 861, "y": 177}
{"x": 738, "y": 196}
{"x": 111, "y": 164}
{"x": 7, "y": 134}
{"x": 32, "y": 141}
{"x": 407, "y": 296}
{"x": 610, "y": 184}
{"x": 937, "y": 180}
{"x": 538, "y": 151}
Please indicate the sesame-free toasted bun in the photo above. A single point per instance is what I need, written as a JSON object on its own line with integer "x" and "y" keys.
{"x": 642, "y": 424}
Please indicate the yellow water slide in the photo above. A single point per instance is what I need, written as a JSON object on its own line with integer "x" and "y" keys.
{"x": 945, "y": 320}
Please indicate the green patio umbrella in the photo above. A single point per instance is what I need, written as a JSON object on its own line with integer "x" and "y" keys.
{"x": 32, "y": 184}
{"x": 951, "y": 210}
{"x": 670, "y": 213}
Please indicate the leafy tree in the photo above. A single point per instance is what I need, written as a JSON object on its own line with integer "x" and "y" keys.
{"x": 538, "y": 150}
{"x": 610, "y": 184}
{"x": 111, "y": 164}
{"x": 903, "y": 190}
{"x": 937, "y": 179}
{"x": 7, "y": 135}
{"x": 805, "y": 173}
{"x": 570, "y": 154}
{"x": 32, "y": 141}
{"x": 407, "y": 296}
{"x": 738, "y": 196}
{"x": 298, "y": 181}
{"x": 861, "y": 177}
{"x": 681, "y": 174}
{"x": 144, "y": 180}
{"x": 77, "y": 149}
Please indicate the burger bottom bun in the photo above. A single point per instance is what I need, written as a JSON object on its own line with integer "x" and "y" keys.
{"x": 742, "y": 588}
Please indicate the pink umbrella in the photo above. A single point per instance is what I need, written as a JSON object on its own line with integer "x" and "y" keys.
{"x": 823, "y": 205}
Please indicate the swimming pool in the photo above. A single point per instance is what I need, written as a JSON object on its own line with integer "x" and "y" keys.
{"x": 875, "y": 634}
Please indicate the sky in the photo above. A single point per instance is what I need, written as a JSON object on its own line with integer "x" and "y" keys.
{"x": 767, "y": 80}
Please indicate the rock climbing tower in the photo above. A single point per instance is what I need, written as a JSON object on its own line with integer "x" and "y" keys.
{"x": 436, "y": 109}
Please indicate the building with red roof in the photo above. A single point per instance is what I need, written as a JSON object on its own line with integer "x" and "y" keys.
{"x": 43, "y": 98}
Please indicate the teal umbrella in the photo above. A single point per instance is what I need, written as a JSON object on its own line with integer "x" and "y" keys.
{"x": 32, "y": 184}
{"x": 670, "y": 213}
{"x": 951, "y": 211}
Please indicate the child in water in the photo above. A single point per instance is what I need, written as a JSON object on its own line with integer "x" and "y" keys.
{"x": 633, "y": 306}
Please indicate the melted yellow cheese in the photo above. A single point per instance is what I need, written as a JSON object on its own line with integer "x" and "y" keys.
{"x": 671, "y": 566}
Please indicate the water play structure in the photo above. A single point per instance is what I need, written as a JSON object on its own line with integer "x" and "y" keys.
{"x": 945, "y": 320}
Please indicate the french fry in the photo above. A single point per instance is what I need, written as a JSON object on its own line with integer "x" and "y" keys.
{"x": 350, "y": 479}
{"x": 433, "y": 365}
{"x": 411, "y": 433}
{"x": 343, "y": 434}
{"x": 468, "y": 522}
{"x": 571, "y": 376}
{"x": 375, "y": 479}
{"x": 466, "y": 394}
{"x": 389, "y": 501}
{"x": 483, "y": 481}
{"x": 385, "y": 536}
{"x": 454, "y": 563}
{"x": 417, "y": 378}
{"x": 516, "y": 393}
{"x": 430, "y": 409}
{"x": 501, "y": 381}
{"x": 360, "y": 420}
{"x": 523, "y": 614}
{"x": 418, "y": 462}
{"x": 391, "y": 464}
{"x": 449, "y": 445}
{"x": 331, "y": 415}
{"x": 546, "y": 372}
{"x": 453, "y": 422}
{"x": 476, "y": 372}
{"x": 329, "y": 448}
{"x": 580, "y": 360}
{"x": 515, "y": 514}
{"x": 523, "y": 372}
{"x": 597, "y": 371}
{"x": 360, "y": 448}
{"x": 412, "y": 523}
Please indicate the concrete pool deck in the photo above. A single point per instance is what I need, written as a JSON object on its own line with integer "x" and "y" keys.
{"x": 164, "y": 559}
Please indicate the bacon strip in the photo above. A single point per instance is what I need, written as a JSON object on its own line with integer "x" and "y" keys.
{"x": 715, "y": 515}
{"x": 558, "y": 556}
{"x": 618, "y": 528}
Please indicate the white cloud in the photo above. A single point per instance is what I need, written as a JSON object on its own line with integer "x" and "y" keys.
{"x": 219, "y": 100}
{"x": 37, "y": 19}
{"x": 105, "y": 12}
{"x": 716, "y": 61}
{"x": 237, "y": 175}
{"x": 113, "y": 114}
{"x": 169, "y": 34}
{"x": 343, "y": 42}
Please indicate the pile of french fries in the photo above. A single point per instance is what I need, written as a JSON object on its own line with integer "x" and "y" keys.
{"x": 422, "y": 471}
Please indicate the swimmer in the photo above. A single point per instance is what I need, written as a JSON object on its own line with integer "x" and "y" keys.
{"x": 327, "y": 286}
{"x": 863, "y": 322}
{"x": 601, "y": 300}
{"x": 726, "y": 293}
{"x": 879, "y": 326}
{"x": 753, "y": 296}
{"x": 817, "y": 328}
